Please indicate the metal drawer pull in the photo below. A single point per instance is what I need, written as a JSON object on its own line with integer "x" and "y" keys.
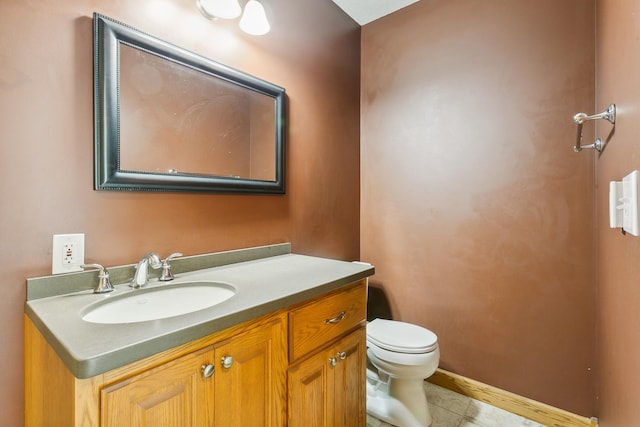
{"x": 207, "y": 370}
{"x": 227, "y": 361}
{"x": 336, "y": 319}
{"x": 342, "y": 355}
{"x": 333, "y": 361}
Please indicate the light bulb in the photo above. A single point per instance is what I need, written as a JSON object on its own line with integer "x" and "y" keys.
{"x": 254, "y": 19}
{"x": 225, "y": 9}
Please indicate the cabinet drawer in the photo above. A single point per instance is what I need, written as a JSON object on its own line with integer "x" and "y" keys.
{"x": 319, "y": 322}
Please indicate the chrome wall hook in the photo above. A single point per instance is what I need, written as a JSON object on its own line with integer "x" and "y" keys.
{"x": 609, "y": 115}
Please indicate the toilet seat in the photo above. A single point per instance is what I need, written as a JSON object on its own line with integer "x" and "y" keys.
{"x": 401, "y": 337}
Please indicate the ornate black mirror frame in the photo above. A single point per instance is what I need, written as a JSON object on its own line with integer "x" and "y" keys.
{"x": 108, "y": 36}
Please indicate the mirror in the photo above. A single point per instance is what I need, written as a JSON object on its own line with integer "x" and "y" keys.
{"x": 167, "y": 119}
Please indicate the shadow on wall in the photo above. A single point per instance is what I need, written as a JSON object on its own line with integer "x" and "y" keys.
{"x": 377, "y": 304}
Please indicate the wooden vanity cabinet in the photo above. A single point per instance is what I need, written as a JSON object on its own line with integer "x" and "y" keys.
{"x": 304, "y": 365}
{"x": 327, "y": 347}
{"x": 171, "y": 389}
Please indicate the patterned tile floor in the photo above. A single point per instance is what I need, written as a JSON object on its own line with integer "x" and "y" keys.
{"x": 449, "y": 409}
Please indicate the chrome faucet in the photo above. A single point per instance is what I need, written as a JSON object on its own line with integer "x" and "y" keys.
{"x": 141, "y": 276}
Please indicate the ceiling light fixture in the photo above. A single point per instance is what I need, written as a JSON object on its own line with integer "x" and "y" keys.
{"x": 254, "y": 18}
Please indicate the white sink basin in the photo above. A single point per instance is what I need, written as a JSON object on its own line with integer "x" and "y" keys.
{"x": 159, "y": 303}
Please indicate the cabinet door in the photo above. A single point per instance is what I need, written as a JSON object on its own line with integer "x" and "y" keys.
{"x": 308, "y": 392}
{"x": 175, "y": 394}
{"x": 328, "y": 389}
{"x": 349, "y": 376}
{"x": 250, "y": 378}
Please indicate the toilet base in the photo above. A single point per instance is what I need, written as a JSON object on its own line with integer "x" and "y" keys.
{"x": 382, "y": 405}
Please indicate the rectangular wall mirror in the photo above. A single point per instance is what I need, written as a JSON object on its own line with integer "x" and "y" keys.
{"x": 167, "y": 119}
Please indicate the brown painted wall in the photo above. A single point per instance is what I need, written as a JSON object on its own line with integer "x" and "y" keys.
{"x": 46, "y": 147}
{"x": 618, "y": 68}
{"x": 475, "y": 211}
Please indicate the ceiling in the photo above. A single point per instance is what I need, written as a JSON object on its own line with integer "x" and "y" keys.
{"x": 365, "y": 11}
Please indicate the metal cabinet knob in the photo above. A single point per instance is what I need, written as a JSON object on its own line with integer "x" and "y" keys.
{"x": 227, "y": 361}
{"x": 342, "y": 355}
{"x": 207, "y": 370}
{"x": 333, "y": 361}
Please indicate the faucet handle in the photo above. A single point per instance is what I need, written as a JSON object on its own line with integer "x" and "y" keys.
{"x": 104, "y": 284}
{"x": 166, "y": 274}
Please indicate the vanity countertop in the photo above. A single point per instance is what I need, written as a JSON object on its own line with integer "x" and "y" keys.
{"x": 263, "y": 285}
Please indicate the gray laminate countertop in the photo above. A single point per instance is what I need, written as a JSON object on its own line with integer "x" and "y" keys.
{"x": 263, "y": 285}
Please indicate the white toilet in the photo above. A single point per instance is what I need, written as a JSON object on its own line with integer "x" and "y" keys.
{"x": 399, "y": 357}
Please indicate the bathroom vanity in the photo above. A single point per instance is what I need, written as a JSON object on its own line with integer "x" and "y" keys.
{"x": 287, "y": 349}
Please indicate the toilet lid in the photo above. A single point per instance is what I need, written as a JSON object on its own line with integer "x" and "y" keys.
{"x": 401, "y": 337}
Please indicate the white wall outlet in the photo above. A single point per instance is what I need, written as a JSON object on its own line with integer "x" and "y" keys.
{"x": 68, "y": 253}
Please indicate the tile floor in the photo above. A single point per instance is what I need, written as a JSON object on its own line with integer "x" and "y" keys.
{"x": 449, "y": 409}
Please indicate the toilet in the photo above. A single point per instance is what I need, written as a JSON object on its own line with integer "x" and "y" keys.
{"x": 399, "y": 357}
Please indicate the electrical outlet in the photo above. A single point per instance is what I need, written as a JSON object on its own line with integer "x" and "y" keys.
{"x": 68, "y": 253}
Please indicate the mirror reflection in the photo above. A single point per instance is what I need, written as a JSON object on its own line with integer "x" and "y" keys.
{"x": 176, "y": 119}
